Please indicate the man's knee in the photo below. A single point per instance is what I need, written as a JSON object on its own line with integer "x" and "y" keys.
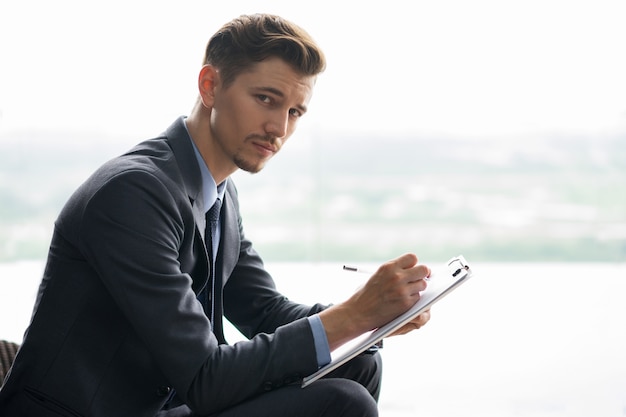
{"x": 347, "y": 398}
{"x": 369, "y": 367}
{"x": 366, "y": 369}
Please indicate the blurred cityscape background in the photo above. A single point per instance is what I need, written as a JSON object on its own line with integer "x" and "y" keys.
{"x": 488, "y": 128}
{"x": 369, "y": 198}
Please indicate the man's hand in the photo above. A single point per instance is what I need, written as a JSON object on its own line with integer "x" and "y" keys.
{"x": 414, "y": 324}
{"x": 391, "y": 290}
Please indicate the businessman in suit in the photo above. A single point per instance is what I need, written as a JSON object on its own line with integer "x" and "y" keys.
{"x": 128, "y": 318}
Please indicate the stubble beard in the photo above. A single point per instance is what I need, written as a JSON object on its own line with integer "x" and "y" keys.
{"x": 247, "y": 165}
{"x": 239, "y": 158}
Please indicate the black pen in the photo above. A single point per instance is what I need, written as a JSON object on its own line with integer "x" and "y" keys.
{"x": 356, "y": 269}
{"x": 365, "y": 271}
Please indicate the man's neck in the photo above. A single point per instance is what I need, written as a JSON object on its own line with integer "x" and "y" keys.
{"x": 198, "y": 124}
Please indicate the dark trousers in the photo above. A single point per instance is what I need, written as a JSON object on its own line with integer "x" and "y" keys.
{"x": 350, "y": 391}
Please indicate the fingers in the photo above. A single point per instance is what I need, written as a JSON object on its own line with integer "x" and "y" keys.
{"x": 409, "y": 268}
{"x": 414, "y": 324}
{"x": 414, "y": 274}
{"x": 421, "y": 320}
{"x": 406, "y": 261}
{"x": 403, "y": 279}
{"x": 392, "y": 290}
{"x": 417, "y": 279}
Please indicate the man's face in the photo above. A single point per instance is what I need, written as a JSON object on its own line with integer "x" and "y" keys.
{"x": 253, "y": 117}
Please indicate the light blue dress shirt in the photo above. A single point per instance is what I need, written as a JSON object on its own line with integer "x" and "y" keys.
{"x": 212, "y": 191}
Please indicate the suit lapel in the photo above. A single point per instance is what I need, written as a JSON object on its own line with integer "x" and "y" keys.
{"x": 228, "y": 252}
{"x": 180, "y": 142}
{"x": 199, "y": 218}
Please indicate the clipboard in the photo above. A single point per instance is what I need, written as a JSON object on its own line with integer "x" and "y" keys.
{"x": 440, "y": 284}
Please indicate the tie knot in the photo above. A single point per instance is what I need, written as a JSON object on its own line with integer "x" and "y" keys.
{"x": 214, "y": 212}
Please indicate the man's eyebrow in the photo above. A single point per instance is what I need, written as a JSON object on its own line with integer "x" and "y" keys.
{"x": 303, "y": 108}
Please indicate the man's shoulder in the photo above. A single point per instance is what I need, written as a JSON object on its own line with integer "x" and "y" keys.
{"x": 148, "y": 161}
{"x": 161, "y": 154}
{"x": 152, "y": 157}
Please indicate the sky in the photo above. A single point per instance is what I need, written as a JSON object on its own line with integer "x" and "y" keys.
{"x": 465, "y": 68}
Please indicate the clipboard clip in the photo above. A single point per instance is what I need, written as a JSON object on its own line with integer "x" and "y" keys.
{"x": 458, "y": 265}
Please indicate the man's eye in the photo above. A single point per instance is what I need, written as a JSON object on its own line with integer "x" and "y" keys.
{"x": 295, "y": 112}
{"x": 264, "y": 98}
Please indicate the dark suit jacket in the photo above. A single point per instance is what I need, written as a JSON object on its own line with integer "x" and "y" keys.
{"x": 117, "y": 325}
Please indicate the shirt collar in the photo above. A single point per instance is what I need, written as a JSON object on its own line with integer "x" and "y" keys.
{"x": 210, "y": 190}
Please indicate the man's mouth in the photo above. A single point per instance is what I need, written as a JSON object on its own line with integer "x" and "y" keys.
{"x": 266, "y": 148}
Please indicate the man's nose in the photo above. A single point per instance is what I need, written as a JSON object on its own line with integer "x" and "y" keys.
{"x": 278, "y": 125}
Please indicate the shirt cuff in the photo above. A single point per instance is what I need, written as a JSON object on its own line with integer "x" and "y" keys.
{"x": 321, "y": 342}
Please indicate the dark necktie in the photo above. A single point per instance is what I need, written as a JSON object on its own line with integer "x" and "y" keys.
{"x": 212, "y": 217}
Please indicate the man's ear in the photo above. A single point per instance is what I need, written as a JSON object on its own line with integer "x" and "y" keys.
{"x": 207, "y": 81}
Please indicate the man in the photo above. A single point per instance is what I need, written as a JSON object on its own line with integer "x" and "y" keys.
{"x": 128, "y": 319}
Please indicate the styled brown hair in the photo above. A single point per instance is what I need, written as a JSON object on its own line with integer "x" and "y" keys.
{"x": 249, "y": 39}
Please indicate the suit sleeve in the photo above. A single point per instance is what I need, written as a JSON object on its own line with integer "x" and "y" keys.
{"x": 133, "y": 231}
{"x": 251, "y": 301}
